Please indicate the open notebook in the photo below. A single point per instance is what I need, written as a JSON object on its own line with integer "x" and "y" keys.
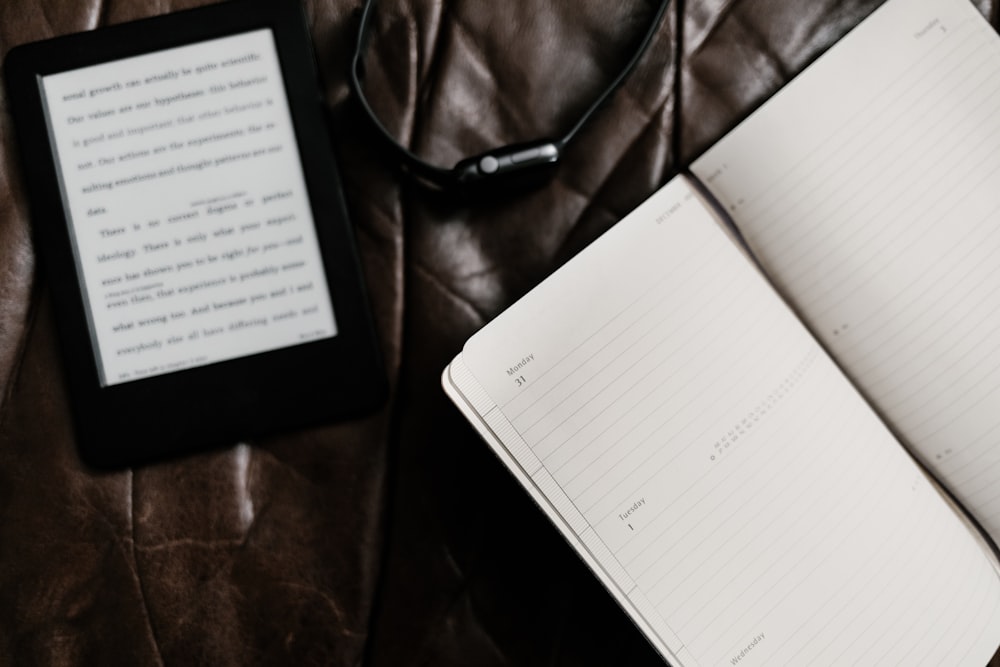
{"x": 751, "y": 464}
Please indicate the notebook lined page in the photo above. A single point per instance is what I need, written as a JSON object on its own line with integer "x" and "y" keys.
{"x": 867, "y": 189}
{"x": 739, "y": 493}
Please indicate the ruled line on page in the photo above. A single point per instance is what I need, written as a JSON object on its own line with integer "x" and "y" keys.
{"x": 964, "y": 401}
{"x": 922, "y": 310}
{"x": 858, "y": 190}
{"x": 818, "y": 556}
{"x": 657, "y": 390}
{"x": 885, "y": 241}
{"x": 879, "y": 581}
{"x": 897, "y": 248}
{"x": 987, "y": 607}
{"x": 973, "y": 597}
{"x": 670, "y": 537}
{"x": 594, "y": 468}
{"x": 970, "y": 468}
{"x": 982, "y": 638}
{"x": 791, "y": 576}
{"x": 622, "y": 351}
{"x": 866, "y": 125}
{"x": 601, "y": 474}
{"x": 570, "y": 361}
{"x": 890, "y": 590}
{"x": 930, "y": 66}
{"x": 719, "y": 381}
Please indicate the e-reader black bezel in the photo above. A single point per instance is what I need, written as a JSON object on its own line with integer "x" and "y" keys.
{"x": 223, "y": 402}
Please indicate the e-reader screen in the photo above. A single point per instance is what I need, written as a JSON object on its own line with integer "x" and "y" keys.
{"x": 188, "y": 211}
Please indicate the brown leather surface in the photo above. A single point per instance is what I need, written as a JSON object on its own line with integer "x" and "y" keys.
{"x": 396, "y": 539}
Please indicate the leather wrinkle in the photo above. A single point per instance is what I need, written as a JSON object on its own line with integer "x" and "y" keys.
{"x": 461, "y": 594}
{"x": 388, "y": 492}
{"x": 103, "y": 12}
{"x": 715, "y": 94}
{"x": 759, "y": 44}
{"x": 48, "y": 19}
{"x": 438, "y": 283}
{"x": 372, "y": 233}
{"x": 593, "y": 199}
{"x": 523, "y": 117}
{"x": 434, "y": 86}
{"x": 411, "y": 107}
{"x": 330, "y": 602}
{"x": 590, "y": 203}
{"x": 140, "y": 584}
{"x": 427, "y": 71}
{"x": 17, "y": 361}
{"x": 677, "y": 117}
{"x": 393, "y": 429}
{"x": 407, "y": 220}
{"x": 721, "y": 15}
{"x": 507, "y": 114}
{"x": 11, "y": 181}
{"x": 246, "y": 465}
{"x": 706, "y": 88}
{"x": 191, "y": 542}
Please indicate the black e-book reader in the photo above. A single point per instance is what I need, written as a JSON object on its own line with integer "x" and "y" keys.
{"x": 186, "y": 202}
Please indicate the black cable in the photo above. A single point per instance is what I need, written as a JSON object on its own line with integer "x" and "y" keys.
{"x": 532, "y": 161}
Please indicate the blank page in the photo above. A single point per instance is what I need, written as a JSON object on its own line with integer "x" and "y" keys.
{"x": 867, "y": 188}
{"x": 714, "y": 467}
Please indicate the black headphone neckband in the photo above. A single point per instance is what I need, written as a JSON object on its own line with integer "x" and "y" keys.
{"x": 502, "y": 164}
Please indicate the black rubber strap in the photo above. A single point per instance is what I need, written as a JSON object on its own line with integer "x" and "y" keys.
{"x": 498, "y": 165}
